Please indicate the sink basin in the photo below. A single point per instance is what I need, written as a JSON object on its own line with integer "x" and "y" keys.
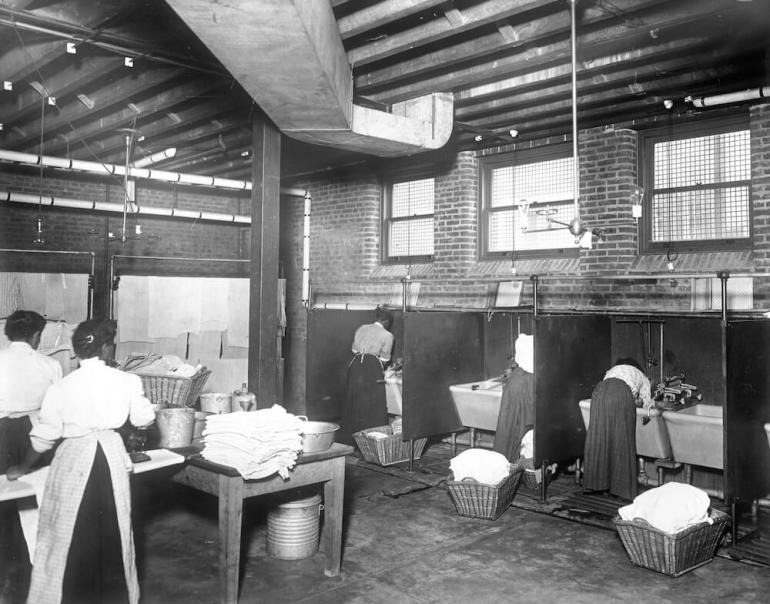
{"x": 478, "y": 403}
{"x": 651, "y": 438}
{"x": 696, "y": 435}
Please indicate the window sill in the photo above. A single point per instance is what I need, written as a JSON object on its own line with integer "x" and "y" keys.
{"x": 695, "y": 262}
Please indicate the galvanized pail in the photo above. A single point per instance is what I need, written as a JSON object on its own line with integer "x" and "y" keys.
{"x": 293, "y": 529}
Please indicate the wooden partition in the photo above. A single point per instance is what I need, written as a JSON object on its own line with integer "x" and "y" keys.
{"x": 747, "y": 453}
{"x": 690, "y": 344}
{"x": 500, "y": 332}
{"x": 440, "y": 349}
{"x": 572, "y": 353}
{"x": 329, "y": 338}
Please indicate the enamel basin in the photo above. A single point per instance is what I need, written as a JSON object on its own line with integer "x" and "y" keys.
{"x": 478, "y": 403}
{"x": 651, "y": 438}
{"x": 696, "y": 435}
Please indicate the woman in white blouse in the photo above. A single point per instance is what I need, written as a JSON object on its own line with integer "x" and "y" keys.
{"x": 85, "y": 549}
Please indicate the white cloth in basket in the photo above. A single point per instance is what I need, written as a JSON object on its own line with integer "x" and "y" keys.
{"x": 483, "y": 465}
{"x": 670, "y": 508}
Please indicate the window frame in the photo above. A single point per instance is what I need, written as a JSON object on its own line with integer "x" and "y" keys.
{"x": 513, "y": 158}
{"x": 647, "y": 141}
{"x": 387, "y": 217}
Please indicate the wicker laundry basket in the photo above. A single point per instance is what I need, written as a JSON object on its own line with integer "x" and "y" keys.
{"x": 386, "y": 451}
{"x": 671, "y": 554}
{"x": 174, "y": 391}
{"x": 476, "y": 500}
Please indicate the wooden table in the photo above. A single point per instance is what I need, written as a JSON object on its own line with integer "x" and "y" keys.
{"x": 327, "y": 467}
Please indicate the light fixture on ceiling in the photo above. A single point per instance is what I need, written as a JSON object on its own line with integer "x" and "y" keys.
{"x": 513, "y": 132}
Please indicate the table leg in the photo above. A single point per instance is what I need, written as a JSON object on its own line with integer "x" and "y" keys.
{"x": 230, "y": 520}
{"x": 331, "y": 537}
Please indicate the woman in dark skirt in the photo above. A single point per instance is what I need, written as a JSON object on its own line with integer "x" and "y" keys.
{"x": 85, "y": 548}
{"x": 25, "y": 375}
{"x": 365, "y": 404}
{"x": 517, "y": 411}
{"x": 610, "y": 448}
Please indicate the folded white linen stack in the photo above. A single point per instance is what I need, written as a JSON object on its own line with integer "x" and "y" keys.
{"x": 484, "y": 466}
{"x": 256, "y": 443}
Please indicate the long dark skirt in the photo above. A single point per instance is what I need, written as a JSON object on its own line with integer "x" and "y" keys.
{"x": 94, "y": 572}
{"x": 14, "y": 558}
{"x": 610, "y": 449}
{"x": 516, "y": 413}
{"x": 365, "y": 404}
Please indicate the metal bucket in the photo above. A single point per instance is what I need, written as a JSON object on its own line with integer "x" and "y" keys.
{"x": 293, "y": 529}
{"x": 216, "y": 402}
{"x": 175, "y": 426}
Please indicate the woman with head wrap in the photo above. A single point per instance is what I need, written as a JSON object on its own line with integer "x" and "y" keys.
{"x": 516, "y": 416}
{"x": 365, "y": 404}
{"x": 609, "y": 459}
{"x": 25, "y": 375}
{"x": 85, "y": 548}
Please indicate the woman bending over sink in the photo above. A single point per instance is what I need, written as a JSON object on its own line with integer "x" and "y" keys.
{"x": 610, "y": 450}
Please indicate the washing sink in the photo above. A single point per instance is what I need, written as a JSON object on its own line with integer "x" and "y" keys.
{"x": 478, "y": 403}
{"x": 696, "y": 434}
{"x": 651, "y": 438}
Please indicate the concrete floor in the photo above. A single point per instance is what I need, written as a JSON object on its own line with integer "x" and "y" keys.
{"x": 404, "y": 542}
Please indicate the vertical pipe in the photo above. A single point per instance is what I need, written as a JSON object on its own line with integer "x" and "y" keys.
{"x": 533, "y": 278}
{"x": 306, "y": 253}
{"x": 576, "y": 166}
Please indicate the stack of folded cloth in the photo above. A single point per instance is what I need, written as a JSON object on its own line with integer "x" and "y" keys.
{"x": 483, "y": 465}
{"x": 256, "y": 443}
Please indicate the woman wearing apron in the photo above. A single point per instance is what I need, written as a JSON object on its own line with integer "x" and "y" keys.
{"x": 365, "y": 404}
{"x": 85, "y": 547}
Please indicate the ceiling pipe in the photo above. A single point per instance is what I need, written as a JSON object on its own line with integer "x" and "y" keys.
{"x": 92, "y": 167}
{"x": 117, "y": 208}
{"x": 154, "y": 158}
{"x": 763, "y": 92}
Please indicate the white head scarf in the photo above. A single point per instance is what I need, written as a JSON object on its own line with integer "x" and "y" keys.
{"x": 525, "y": 352}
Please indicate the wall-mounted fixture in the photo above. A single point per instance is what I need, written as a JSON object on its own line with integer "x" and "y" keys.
{"x": 637, "y": 195}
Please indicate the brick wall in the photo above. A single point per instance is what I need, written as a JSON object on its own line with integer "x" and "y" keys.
{"x": 86, "y": 231}
{"x": 345, "y": 237}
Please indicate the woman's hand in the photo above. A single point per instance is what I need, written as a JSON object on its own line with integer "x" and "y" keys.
{"x": 14, "y": 472}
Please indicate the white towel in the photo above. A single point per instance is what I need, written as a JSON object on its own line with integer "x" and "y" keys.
{"x": 483, "y": 465}
{"x": 670, "y": 508}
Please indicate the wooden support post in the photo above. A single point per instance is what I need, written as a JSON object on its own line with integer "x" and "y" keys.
{"x": 263, "y": 292}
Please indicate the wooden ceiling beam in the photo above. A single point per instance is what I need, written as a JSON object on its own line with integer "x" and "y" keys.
{"x": 533, "y": 90}
{"x": 381, "y": 14}
{"x": 118, "y": 105}
{"x": 600, "y": 41}
{"x": 78, "y": 77}
{"x": 542, "y": 30}
{"x": 475, "y": 16}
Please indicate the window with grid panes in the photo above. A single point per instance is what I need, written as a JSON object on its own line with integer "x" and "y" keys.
{"x": 525, "y": 196}
{"x": 409, "y": 220}
{"x": 701, "y": 193}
